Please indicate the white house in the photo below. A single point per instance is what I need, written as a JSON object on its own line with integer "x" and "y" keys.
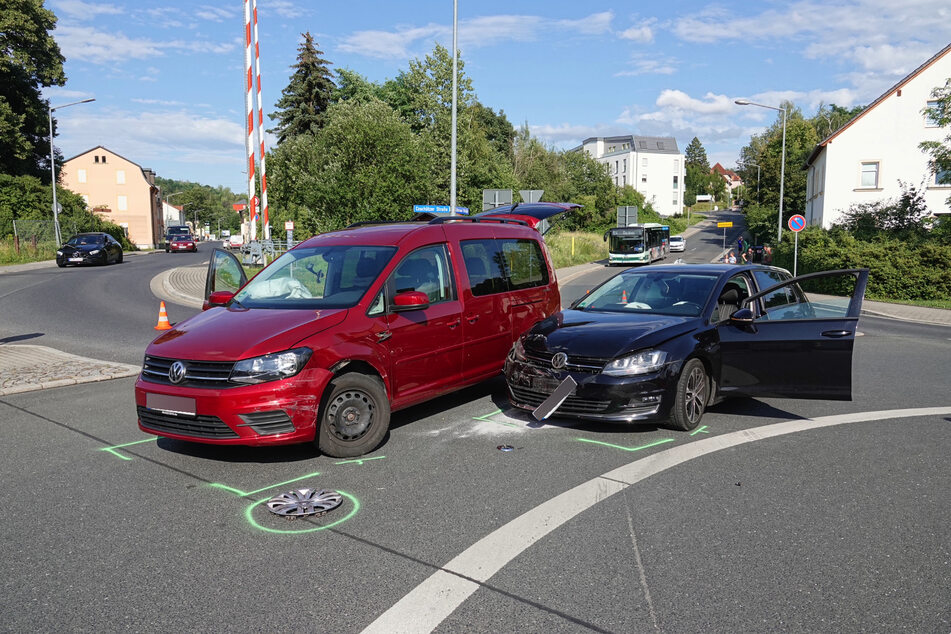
{"x": 652, "y": 165}
{"x": 864, "y": 160}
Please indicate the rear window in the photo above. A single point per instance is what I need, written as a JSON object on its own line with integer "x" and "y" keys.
{"x": 495, "y": 266}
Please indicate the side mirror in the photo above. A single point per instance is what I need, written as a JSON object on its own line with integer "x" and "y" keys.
{"x": 218, "y": 298}
{"x": 742, "y": 317}
{"x": 410, "y": 300}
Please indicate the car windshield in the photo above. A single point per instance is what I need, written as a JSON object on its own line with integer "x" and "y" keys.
{"x": 84, "y": 240}
{"x": 664, "y": 290}
{"x": 319, "y": 277}
{"x": 180, "y": 238}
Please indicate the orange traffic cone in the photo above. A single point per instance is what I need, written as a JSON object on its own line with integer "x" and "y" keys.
{"x": 623, "y": 297}
{"x": 162, "y": 319}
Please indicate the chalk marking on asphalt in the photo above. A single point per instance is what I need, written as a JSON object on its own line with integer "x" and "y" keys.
{"x": 700, "y": 430}
{"x": 642, "y": 573}
{"x": 622, "y": 448}
{"x": 360, "y": 461}
{"x": 429, "y": 603}
{"x": 115, "y": 453}
{"x": 243, "y": 494}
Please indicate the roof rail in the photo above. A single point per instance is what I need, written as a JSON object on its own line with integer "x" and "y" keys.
{"x": 364, "y": 223}
{"x": 444, "y": 220}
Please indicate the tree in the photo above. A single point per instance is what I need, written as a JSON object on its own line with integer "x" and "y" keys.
{"x": 304, "y": 101}
{"x": 696, "y": 155}
{"x": 30, "y": 60}
{"x": 830, "y": 118}
{"x": 363, "y": 164}
{"x": 940, "y": 152}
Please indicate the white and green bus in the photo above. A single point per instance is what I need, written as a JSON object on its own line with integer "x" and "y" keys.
{"x": 638, "y": 244}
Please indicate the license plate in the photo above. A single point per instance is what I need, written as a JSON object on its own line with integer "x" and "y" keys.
{"x": 544, "y": 384}
{"x": 75, "y": 259}
{"x": 171, "y": 404}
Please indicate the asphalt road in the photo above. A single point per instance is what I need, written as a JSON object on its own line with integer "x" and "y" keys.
{"x": 778, "y": 515}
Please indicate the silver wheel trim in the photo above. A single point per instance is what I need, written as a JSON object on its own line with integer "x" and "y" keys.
{"x": 304, "y": 502}
{"x": 695, "y": 393}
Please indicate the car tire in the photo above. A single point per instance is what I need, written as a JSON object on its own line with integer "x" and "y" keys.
{"x": 119, "y": 259}
{"x": 354, "y": 416}
{"x": 167, "y": 249}
{"x": 61, "y": 265}
{"x": 692, "y": 396}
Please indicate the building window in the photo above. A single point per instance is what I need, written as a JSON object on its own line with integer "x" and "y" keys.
{"x": 643, "y": 178}
{"x": 676, "y": 178}
{"x": 625, "y": 166}
{"x": 942, "y": 177}
{"x": 870, "y": 174}
{"x": 122, "y": 203}
{"x": 615, "y": 167}
{"x": 96, "y": 158}
{"x": 624, "y": 180}
{"x": 644, "y": 162}
{"x": 81, "y": 176}
{"x": 674, "y": 201}
{"x": 930, "y": 120}
{"x": 676, "y": 165}
{"x": 120, "y": 177}
{"x": 103, "y": 159}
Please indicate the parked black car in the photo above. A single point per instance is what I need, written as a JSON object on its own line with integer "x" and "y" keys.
{"x": 664, "y": 342}
{"x": 89, "y": 248}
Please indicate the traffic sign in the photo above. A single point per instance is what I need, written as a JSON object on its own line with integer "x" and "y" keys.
{"x": 797, "y": 223}
{"x": 439, "y": 209}
{"x": 288, "y": 225}
{"x": 724, "y": 224}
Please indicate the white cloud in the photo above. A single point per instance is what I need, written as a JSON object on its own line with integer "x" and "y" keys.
{"x": 477, "y": 32}
{"x": 682, "y": 102}
{"x": 85, "y": 10}
{"x": 215, "y": 14}
{"x": 567, "y": 133}
{"x": 282, "y": 8}
{"x": 642, "y": 65}
{"x": 99, "y": 47}
{"x": 642, "y": 32}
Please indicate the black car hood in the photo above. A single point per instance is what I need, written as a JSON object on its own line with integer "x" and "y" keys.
{"x": 605, "y": 335}
{"x": 81, "y": 248}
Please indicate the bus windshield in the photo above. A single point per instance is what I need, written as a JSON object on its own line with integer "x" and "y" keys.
{"x": 626, "y": 241}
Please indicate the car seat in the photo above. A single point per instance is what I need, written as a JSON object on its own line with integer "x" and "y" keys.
{"x": 729, "y": 300}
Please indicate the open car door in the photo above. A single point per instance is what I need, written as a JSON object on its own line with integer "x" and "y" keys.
{"x": 225, "y": 273}
{"x": 795, "y": 339}
{"x": 536, "y": 215}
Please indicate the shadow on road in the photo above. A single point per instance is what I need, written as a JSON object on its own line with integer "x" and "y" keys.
{"x": 12, "y": 338}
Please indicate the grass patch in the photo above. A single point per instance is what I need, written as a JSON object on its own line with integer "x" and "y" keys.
{"x": 28, "y": 253}
{"x": 575, "y": 247}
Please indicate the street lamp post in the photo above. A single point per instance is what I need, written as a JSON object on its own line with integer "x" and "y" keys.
{"x": 782, "y": 169}
{"x": 59, "y": 238}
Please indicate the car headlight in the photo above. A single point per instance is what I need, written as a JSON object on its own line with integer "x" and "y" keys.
{"x": 518, "y": 351}
{"x": 59, "y": 253}
{"x": 271, "y": 367}
{"x": 640, "y": 363}
{"x": 94, "y": 252}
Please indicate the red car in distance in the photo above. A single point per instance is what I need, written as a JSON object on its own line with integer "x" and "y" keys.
{"x": 182, "y": 243}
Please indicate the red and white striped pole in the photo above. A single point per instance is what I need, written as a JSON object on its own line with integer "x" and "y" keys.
{"x": 249, "y": 106}
{"x": 265, "y": 225}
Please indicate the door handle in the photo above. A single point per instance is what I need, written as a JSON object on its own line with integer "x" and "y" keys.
{"x": 453, "y": 325}
{"x": 835, "y": 334}
{"x": 473, "y": 320}
{"x": 383, "y": 336}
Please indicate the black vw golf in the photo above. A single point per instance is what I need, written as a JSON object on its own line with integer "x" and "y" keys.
{"x": 663, "y": 342}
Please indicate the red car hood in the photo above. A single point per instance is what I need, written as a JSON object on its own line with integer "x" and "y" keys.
{"x": 230, "y": 334}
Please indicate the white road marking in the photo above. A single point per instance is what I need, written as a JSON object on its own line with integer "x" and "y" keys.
{"x": 427, "y": 605}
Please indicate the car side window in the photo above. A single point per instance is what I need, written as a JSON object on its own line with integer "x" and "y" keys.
{"x": 778, "y": 299}
{"x": 426, "y": 270}
{"x": 485, "y": 266}
{"x": 734, "y": 291}
{"x": 524, "y": 263}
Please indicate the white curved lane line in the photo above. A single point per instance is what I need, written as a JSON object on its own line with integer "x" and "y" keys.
{"x": 427, "y": 605}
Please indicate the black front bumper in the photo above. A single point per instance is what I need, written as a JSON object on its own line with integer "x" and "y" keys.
{"x": 597, "y": 397}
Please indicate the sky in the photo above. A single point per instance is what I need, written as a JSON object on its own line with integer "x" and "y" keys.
{"x": 168, "y": 76}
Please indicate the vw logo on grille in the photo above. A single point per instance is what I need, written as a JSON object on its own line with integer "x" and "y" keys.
{"x": 176, "y": 373}
{"x": 559, "y": 361}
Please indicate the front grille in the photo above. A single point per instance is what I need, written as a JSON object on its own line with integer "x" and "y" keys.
{"x": 268, "y": 423}
{"x": 576, "y": 363}
{"x": 572, "y": 404}
{"x": 197, "y": 426}
{"x": 206, "y": 374}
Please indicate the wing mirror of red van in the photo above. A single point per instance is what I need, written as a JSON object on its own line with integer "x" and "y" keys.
{"x": 410, "y": 300}
{"x": 218, "y": 298}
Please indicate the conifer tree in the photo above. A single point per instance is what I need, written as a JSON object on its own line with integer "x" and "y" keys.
{"x": 304, "y": 103}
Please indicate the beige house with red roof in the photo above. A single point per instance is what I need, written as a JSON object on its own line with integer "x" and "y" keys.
{"x": 119, "y": 191}
{"x": 864, "y": 160}
{"x": 732, "y": 179}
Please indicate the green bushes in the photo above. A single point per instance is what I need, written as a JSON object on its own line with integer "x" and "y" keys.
{"x": 898, "y": 269}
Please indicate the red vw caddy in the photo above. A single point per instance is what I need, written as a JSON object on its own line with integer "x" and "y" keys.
{"x": 346, "y": 327}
